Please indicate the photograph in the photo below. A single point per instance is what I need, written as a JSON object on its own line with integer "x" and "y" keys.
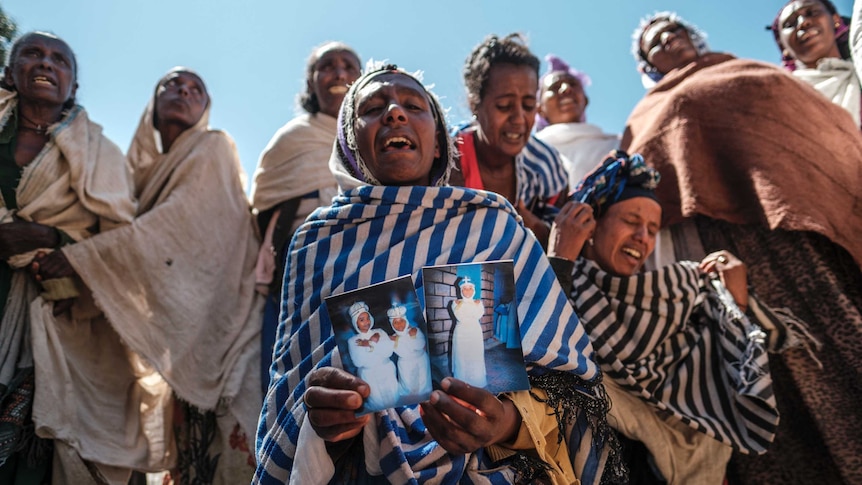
{"x": 381, "y": 334}
{"x": 472, "y": 317}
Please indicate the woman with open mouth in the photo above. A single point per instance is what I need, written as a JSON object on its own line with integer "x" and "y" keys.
{"x": 293, "y": 178}
{"x": 815, "y": 44}
{"x": 498, "y": 151}
{"x": 395, "y": 214}
{"x": 61, "y": 182}
{"x": 683, "y": 348}
{"x": 725, "y": 135}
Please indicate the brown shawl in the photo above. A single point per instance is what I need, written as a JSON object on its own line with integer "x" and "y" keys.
{"x": 745, "y": 142}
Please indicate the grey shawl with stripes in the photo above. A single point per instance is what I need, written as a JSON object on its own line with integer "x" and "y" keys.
{"x": 675, "y": 338}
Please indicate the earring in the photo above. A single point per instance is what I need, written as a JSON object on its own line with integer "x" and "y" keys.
{"x": 590, "y": 241}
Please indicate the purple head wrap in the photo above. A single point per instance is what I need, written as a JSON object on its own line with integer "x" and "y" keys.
{"x": 555, "y": 65}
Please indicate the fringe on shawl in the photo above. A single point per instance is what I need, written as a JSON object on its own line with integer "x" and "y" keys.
{"x": 567, "y": 395}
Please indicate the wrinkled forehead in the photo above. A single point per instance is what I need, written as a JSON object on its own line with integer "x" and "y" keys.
{"x": 47, "y": 40}
{"x": 400, "y": 81}
{"x": 185, "y": 75}
{"x": 560, "y": 76}
{"x": 655, "y": 29}
{"x": 792, "y": 8}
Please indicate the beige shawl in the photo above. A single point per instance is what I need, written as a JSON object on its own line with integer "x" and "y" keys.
{"x": 79, "y": 183}
{"x": 178, "y": 284}
{"x": 295, "y": 162}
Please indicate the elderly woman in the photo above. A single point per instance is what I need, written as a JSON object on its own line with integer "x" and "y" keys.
{"x": 561, "y": 120}
{"x": 498, "y": 153}
{"x": 814, "y": 44}
{"x": 178, "y": 287}
{"x": 688, "y": 370}
{"x": 394, "y": 214}
{"x": 732, "y": 162}
{"x": 293, "y": 178}
{"x": 61, "y": 182}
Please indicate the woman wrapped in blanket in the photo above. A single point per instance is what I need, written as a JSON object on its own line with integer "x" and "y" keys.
{"x": 394, "y": 215}
{"x": 688, "y": 373}
{"x": 177, "y": 285}
{"x": 734, "y": 140}
{"x": 62, "y": 181}
{"x": 497, "y": 150}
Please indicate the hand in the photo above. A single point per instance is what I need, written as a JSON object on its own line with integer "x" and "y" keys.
{"x": 533, "y": 223}
{"x": 18, "y": 237}
{"x": 332, "y": 398}
{"x": 375, "y": 338}
{"x": 572, "y": 228}
{"x": 412, "y": 332}
{"x": 363, "y": 342}
{"x": 733, "y": 274}
{"x": 463, "y": 418}
{"x": 50, "y": 266}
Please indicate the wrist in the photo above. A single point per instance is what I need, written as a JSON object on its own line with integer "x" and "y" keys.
{"x": 511, "y": 423}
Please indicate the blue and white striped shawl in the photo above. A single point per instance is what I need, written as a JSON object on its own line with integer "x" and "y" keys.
{"x": 371, "y": 234}
{"x": 670, "y": 339}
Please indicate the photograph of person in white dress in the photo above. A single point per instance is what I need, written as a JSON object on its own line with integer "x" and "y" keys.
{"x": 371, "y": 352}
{"x": 468, "y": 344}
{"x": 411, "y": 347}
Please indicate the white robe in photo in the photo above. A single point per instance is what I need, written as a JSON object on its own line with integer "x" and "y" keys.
{"x": 468, "y": 346}
{"x": 414, "y": 369}
{"x": 374, "y": 366}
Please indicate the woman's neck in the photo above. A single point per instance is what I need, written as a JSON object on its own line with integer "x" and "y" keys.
{"x": 169, "y": 134}
{"x": 38, "y": 117}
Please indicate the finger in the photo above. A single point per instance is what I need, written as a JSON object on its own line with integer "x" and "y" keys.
{"x": 451, "y": 437}
{"x": 475, "y": 398}
{"x": 318, "y": 397}
{"x": 336, "y": 426}
{"x": 333, "y": 378}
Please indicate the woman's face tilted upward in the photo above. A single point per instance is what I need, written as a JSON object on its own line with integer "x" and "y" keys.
{"x": 666, "y": 46}
{"x": 807, "y": 31}
{"x": 43, "y": 70}
{"x": 334, "y": 71}
{"x": 396, "y": 133}
{"x": 181, "y": 99}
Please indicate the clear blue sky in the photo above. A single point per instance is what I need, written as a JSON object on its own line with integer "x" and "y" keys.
{"x": 252, "y": 54}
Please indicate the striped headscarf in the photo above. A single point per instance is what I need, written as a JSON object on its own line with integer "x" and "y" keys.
{"x": 374, "y": 233}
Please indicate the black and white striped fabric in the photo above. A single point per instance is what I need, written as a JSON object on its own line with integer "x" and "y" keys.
{"x": 683, "y": 346}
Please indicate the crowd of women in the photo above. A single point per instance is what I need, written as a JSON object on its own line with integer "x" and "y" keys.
{"x": 688, "y": 292}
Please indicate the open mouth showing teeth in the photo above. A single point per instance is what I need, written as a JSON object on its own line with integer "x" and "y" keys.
{"x": 338, "y": 89}
{"x": 43, "y": 80}
{"x": 398, "y": 143}
{"x": 632, "y": 252}
{"x": 512, "y": 136}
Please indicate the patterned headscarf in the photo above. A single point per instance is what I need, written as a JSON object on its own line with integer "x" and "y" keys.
{"x": 842, "y": 35}
{"x": 619, "y": 178}
{"x": 555, "y": 65}
{"x": 649, "y": 75}
{"x": 347, "y": 151}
